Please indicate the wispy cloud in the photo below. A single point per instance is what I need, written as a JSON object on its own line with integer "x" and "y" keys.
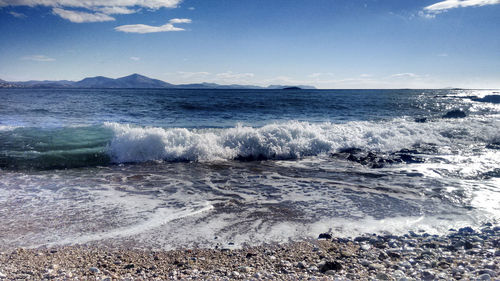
{"x": 232, "y": 75}
{"x": 432, "y": 10}
{"x": 17, "y": 15}
{"x": 404, "y": 75}
{"x": 41, "y": 58}
{"x": 79, "y": 17}
{"x": 93, "y": 10}
{"x": 191, "y": 8}
{"x": 320, "y": 74}
{"x": 144, "y": 28}
{"x": 135, "y": 58}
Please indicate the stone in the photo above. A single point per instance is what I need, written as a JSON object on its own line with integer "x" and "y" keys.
{"x": 330, "y": 272}
{"x": 427, "y": 275}
{"x": 382, "y": 276}
{"x": 487, "y": 271}
{"x": 376, "y": 266}
{"x": 365, "y": 247}
{"x": 2, "y": 275}
{"x": 245, "y": 269}
{"x": 302, "y": 265}
{"x": 398, "y": 274}
{"x": 329, "y": 265}
{"x": 325, "y": 236}
{"x": 94, "y": 270}
{"x": 484, "y": 277}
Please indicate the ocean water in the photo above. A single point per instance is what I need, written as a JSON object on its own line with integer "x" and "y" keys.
{"x": 184, "y": 168}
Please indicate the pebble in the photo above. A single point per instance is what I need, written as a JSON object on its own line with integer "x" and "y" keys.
{"x": 382, "y": 276}
{"x": 245, "y": 269}
{"x": 484, "y": 277}
{"x": 416, "y": 256}
{"x": 376, "y": 266}
{"x": 365, "y": 247}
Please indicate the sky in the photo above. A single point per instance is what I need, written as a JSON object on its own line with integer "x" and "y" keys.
{"x": 324, "y": 43}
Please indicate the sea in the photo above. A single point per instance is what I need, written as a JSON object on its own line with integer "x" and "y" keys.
{"x": 176, "y": 168}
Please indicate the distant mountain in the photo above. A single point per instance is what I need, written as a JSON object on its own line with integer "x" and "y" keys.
{"x": 96, "y": 82}
{"x": 131, "y": 81}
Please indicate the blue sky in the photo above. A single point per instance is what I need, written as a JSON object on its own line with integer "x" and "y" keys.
{"x": 325, "y": 43}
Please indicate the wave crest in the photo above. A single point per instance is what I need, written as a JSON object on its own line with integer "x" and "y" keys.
{"x": 290, "y": 140}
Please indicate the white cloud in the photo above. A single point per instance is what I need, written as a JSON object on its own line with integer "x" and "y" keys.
{"x": 187, "y": 74}
{"x": 232, "y": 75}
{"x": 93, "y": 10}
{"x": 41, "y": 58}
{"x": 143, "y": 28}
{"x": 116, "y": 10}
{"x": 451, "y": 4}
{"x": 432, "y": 10}
{"x": 135, "y": 58}
{"x": 191, "y": 8}
{"x": 93, "y": 4}
{"x": 17, "y": 15}
{"x": 405, "y": 75}
{"x": 79, "y": 17}
{"x": 320, "y": 74}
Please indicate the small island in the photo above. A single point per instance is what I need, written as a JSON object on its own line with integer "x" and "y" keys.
{"x": 292, "y": 88}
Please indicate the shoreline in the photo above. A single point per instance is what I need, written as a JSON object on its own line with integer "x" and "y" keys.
{"x": 463, "y": 254}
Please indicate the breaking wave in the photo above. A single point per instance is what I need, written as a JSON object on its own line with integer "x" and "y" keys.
{"x": 290, "y": 140}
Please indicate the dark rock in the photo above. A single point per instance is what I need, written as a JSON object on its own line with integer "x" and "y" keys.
{"x": 466, "y": 230}
{"x": 325, "y": 236}
{"x": 361, "y": 239}
{"x": 426, "y": 275}
{"x": 455, "y": 114}
{"x": 468, "y": 245}
{"x": 129, "y": 266}
{"x": 382, "y": 256}
{"x": 394, "y": 255}
{"x": 488, "y": 98}
{"x": 420, "y": 120}
{"x": 330, "y": 265}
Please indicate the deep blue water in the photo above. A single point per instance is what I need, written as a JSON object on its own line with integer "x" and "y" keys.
{"x": 209, "y": 108}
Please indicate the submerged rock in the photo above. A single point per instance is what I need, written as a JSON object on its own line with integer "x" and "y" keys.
{"x": 455, "y": 114}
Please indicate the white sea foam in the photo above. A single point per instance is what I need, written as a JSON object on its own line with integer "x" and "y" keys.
{"x": 290, "y": 140}
{"x": 7, "y": 128}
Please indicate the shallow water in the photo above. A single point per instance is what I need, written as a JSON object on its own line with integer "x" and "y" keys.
{"x": 174, "y": 168}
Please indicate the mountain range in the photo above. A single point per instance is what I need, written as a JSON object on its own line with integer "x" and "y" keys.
{"x": 131, "y": 81}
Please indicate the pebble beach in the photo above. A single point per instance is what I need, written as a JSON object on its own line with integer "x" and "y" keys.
{"x": 463, "y": 254}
